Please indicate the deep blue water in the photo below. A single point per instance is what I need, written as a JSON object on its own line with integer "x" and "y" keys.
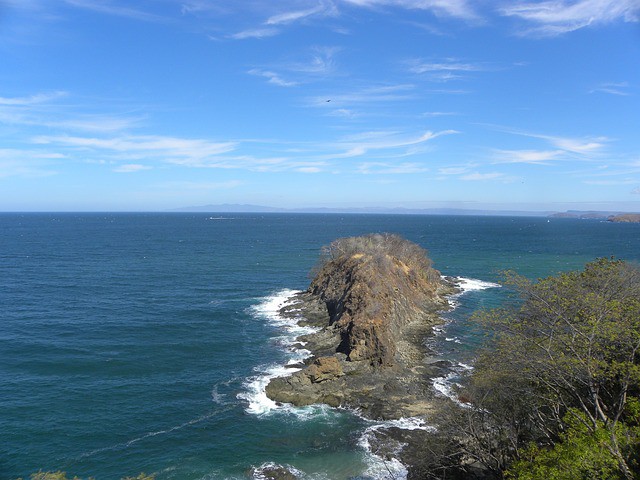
{"x": 132, "y": 342}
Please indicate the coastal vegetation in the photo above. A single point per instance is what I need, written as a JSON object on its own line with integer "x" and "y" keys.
{"x": 59, "y": 475}
{"x": 556, "y": 392}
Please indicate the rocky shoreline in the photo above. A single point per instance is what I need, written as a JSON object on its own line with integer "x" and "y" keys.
{"x": 374, "y": 300}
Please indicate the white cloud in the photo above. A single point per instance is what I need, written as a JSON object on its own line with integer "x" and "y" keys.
{"x": 438, "y": 114}
{"x": 111, "y": 8}
{"x": 308, "y": 169}
{"x": 317, "y": 66}
{"x": 272, "y": 77}
{"x": 535, "y": 157}
{"x": 131, "y": 167}
{"x": 27, "y": 163}
{"x": 181, "y": 151}
{"x": 387, "y": 143}
{"x": 366, "y": 95}
{"x": 484, "y": 176}
{"x": 36, "y": 99}
{"x": 384, "y": 168}
{"x": 584, "y": 147}
{"x": 255, "y": 33}
{"x": 186, "y": 185}
{"x": 619, "y": 89}
{"x": 323, "y": 9}
{"x": 555, "y": 17}
{"x": 448, "y": 65}
{"x": 453, "y": 170}
{"x": 453, "y": 8}
{"x": 43, "y": 110}
{"x": 636, "y": 191}
{"x": 624, "y": 181}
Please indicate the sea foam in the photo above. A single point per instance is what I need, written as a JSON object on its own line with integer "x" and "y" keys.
{"x": 254, "y": 387}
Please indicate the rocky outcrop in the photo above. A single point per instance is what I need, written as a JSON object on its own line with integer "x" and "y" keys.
{"x": 376, "y": 298}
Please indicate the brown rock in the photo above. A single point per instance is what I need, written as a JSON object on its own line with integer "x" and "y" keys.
{"x": 323, "y": 369}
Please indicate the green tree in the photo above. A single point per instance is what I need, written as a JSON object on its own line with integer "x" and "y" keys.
{"x": 568, "y": 355}
{"x": 580, "y": 453}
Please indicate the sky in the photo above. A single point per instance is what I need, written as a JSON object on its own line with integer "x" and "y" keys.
{"x": 151, "y": 105}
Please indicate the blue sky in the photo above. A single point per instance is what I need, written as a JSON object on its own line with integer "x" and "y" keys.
{"x": 158, "y": 104}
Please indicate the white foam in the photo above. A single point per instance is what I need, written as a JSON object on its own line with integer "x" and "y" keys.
{"x": 258, "y": 473}
{"x": 446, "y": 385}
{"x": 254, "y": 388}
{"x": 471, "y": 284}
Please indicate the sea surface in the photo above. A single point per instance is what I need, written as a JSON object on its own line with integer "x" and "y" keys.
{"x": 142, "y": 342}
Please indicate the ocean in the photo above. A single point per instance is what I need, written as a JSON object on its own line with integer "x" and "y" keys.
{"x": 142, "y": 342}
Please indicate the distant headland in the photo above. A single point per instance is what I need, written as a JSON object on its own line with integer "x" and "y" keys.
{"x": 625, "y": 218}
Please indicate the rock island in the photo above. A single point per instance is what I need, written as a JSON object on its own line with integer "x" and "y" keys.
{"x": 375, "y": 299}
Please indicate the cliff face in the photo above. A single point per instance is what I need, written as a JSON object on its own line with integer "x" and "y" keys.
{"x": 373, "y": 287}
{"x": 376, "y": 298}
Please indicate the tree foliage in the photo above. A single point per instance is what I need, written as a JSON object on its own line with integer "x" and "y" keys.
{"x": 562, "y": 373}
{"x": 59, "y": 475}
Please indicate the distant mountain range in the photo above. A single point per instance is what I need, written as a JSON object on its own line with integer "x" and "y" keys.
{"x": 247, "y": 208}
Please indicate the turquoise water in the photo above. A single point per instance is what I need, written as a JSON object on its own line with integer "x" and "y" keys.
{"x": 138, "y": 342}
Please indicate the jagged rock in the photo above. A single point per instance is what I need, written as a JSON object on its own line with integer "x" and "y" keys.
{"x": 323, "y": 369}
{"x": 375, "y": 297}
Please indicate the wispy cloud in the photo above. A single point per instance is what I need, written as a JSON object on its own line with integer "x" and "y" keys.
{"x": 624, "y": 181}
{"x": 584, "y": 148}
{"x": 181, "y": 151}
{"x": 323, "y": 9}
{"x": 455, "y": 170}
{"x": 534, "y": 157}
{"x": 446, "y": 65}
{"x": 358, "y": 145}
{"x": 27, "y": 163}
{"x": 620, "y": 89}
{"x": 316, "y": 65}
{"x": 451, "y": 8}
{"x": 552, "y": 18}
{"x": 45, "y": 110}
{"x": 113, "y": 8}
{"x": 272, "y": 77}
{"x": 366, "y": 95}
{"x": 438, "y": 114}
{"x": 481, "y": 177}
{"x": 36, "y": 99}
{"x": 186, "y": 185}
{"x": 131, "y": 167}
{"x": 385, "y": 168}
{"x": 635, "y": 191}
{"x": 255, "y": 33}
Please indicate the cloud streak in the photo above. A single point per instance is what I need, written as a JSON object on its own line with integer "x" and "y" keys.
{"x": 552, "y": 18}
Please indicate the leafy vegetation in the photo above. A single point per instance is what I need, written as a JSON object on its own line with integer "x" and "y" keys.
{"x": 63, "y": 476}
{"x": 555, "y": 394}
